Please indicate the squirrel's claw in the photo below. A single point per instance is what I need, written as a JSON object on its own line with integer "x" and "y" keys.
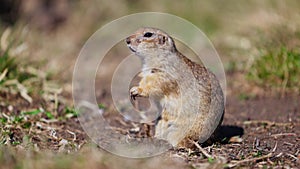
{"x": 134, "y": 92}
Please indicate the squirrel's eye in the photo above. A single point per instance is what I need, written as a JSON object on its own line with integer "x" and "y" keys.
{"x": 148, "y": 34}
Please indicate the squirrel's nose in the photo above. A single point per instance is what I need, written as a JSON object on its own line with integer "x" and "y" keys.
{"x": 128, "y": 41}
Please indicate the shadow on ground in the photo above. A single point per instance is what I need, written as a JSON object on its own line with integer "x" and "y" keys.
{"x": 223, "y": 134}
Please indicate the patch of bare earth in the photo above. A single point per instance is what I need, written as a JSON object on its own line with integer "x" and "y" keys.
{"x": 260, "y": 128}
{"x": 257, "y": 131}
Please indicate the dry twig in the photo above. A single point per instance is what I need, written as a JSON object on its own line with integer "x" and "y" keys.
{"x": 295, "y": 158}
{"x": 236, "y": 163}
{"x": 74, "y": 135}
{"x": 3, "y": 74}
{"x": 270, "y": 123}
{"x": 275, "y": 147}
{"x": 201, "y": 150}
{"x": 283, "y": 134}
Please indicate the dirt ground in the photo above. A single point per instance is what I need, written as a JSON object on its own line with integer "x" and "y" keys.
{"x": 268, "y": 129}
{"x": 267, "y": 123}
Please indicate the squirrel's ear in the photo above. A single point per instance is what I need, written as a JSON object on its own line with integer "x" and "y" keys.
{"x": 161, "y": 39}
{"x": 171, "y": 44}
{"x": 170, "y": 40}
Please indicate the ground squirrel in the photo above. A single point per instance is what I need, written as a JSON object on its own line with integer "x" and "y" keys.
{"x": 190, "y": 96}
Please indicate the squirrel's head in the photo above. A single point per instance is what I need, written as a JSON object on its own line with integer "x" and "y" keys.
{"x": 150, "y": 41}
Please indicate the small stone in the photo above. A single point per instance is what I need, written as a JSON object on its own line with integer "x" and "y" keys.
{"x": 235, "y": 139}
{"x": 10, "y": 108}
{"x": 63, "y": 142}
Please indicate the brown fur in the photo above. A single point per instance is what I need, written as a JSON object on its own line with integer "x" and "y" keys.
{"x": 192, "y": 97}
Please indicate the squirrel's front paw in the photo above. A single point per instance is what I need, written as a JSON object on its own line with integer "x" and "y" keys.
{"x": 135, "y": 92}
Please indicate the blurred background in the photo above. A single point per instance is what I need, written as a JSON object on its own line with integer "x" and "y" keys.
{"x": 55, "y": 30}
{"x": 257, "y": 41}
